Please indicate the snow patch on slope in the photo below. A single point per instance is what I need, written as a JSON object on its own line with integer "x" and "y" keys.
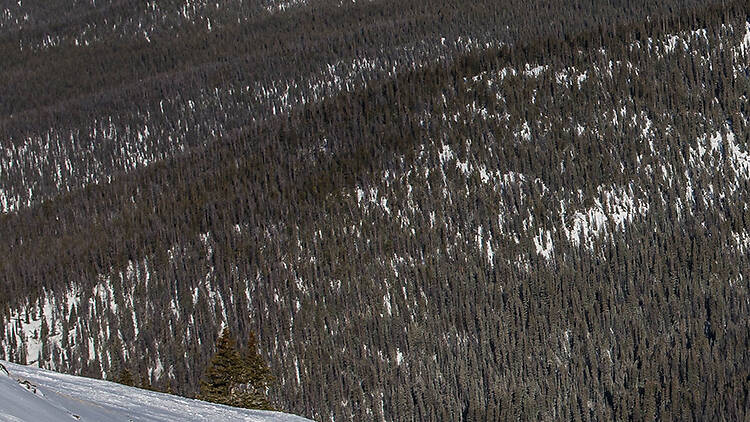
{"x": 746, "y": 41}
{"x": 32, "y": 394}
{"x": 615, "y": 205}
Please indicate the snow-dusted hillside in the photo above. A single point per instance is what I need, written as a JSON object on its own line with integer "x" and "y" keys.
{"x": 423, "y": 210}
{"x": 37, "y": 395}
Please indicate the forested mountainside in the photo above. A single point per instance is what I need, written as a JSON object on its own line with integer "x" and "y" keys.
{"x": 92, "y": 90}
{"x": 426, "y": 210}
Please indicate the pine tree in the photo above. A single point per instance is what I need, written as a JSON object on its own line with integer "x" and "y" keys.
{"x": 125, "y": 378}
{"x": 222, "y": 372}
{"x": 254, "y": 380}
{"x": 236, "y": 380}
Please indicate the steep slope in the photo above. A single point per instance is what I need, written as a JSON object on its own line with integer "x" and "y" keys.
{"x": 100, "y": 88}
{"x": 550, "y": 228}
{"x": 37, "y": 395}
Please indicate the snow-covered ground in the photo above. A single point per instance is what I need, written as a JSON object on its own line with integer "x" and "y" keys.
{"x": 37, "y": 395}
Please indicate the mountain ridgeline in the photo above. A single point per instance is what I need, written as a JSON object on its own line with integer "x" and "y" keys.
{"x": 425, "y": 210}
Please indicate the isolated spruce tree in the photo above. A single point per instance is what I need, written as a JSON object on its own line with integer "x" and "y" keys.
{"x": 236, "y": 380}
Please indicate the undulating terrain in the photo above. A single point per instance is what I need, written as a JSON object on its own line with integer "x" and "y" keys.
{"x": 426, "y": 210}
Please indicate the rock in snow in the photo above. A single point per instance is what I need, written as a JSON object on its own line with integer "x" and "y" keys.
{"x": 37, "y": 395}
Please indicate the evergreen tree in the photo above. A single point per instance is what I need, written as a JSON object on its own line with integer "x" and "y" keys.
{"x": 125, "y": 378}
{"x": 223, "y": 371}
{"x": 254, "y": 380}
{"x": 236, "y": 380}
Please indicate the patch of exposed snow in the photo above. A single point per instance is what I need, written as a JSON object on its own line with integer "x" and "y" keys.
{"x": 543, "y": 243}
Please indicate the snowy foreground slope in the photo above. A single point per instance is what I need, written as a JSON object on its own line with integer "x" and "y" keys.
{"x": 38, "y": 395}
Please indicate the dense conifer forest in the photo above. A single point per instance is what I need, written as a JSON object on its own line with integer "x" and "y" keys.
{"x": 424, "y": 210}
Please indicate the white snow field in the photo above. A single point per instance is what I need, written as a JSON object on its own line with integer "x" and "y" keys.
{"x": 37, "y": 395}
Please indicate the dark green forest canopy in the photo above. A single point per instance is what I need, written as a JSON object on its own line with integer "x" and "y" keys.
{"x": 204, "y": 170}
{"x": 261, "y": 46}
{"x": 425, "y": 243}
